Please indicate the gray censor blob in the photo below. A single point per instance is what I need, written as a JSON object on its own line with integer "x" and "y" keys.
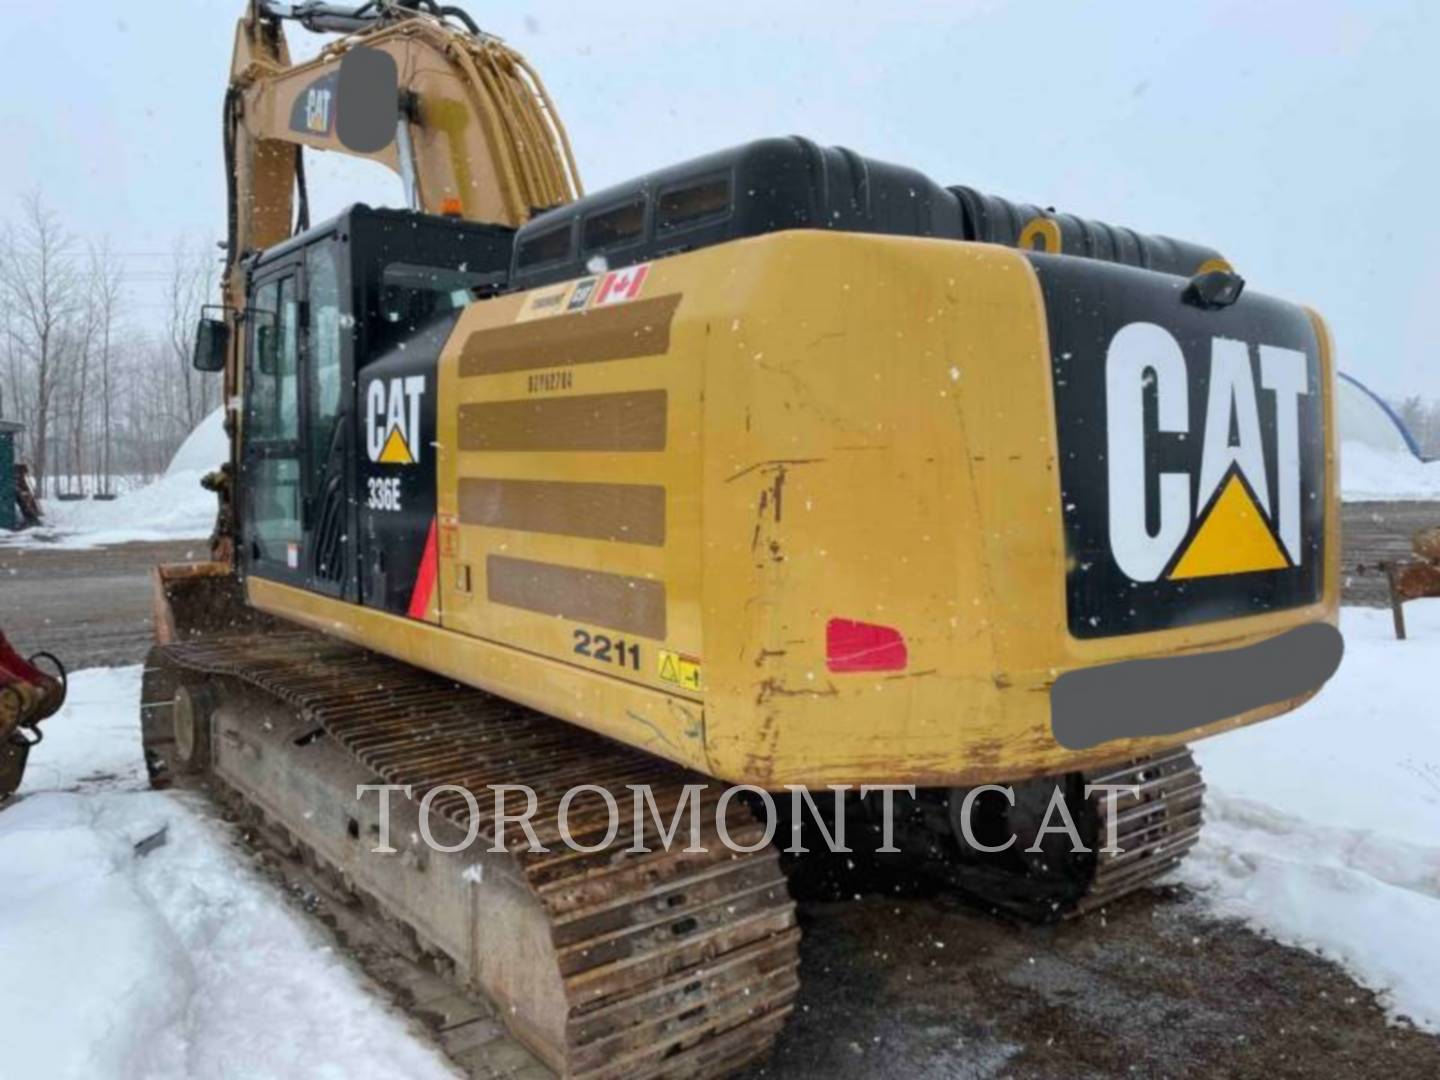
{"x": 1140, "y": 698}
{"x": 367, "y": 105}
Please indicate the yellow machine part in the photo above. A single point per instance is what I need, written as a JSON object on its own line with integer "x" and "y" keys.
{"x": 649, "y": 512}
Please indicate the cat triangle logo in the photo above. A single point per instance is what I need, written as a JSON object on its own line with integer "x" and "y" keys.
{"x": 393, "y": 433}
{"x": 396, "y": 450}
{"x": 1233, "y": 536}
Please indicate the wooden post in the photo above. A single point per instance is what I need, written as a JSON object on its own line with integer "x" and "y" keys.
{"x": 1397, "y": 610}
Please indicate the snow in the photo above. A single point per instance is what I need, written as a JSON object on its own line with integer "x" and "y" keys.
{"x": 94, "y": 744}
{"x": 1362, "y": 418}
{"x": 205, "y": 449}
{"x": 1367, "y": 473}
{"x": 181, "y": 962}
{"x": 174, "y": 507}
{"x": 1323, "y": 826}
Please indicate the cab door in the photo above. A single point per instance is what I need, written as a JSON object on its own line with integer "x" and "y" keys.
{"x": 327, "y": 511}
{"x": 298, "y": 516}
{"x": 271, "y": 461}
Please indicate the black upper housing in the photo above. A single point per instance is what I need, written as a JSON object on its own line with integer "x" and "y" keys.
{"x": 791, "y": 183}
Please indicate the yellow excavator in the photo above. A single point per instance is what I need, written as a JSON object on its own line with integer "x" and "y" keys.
{"x": 782, "y": 467}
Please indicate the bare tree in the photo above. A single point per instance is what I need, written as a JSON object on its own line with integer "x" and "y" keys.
{"x": 39, "y": 282}
{"x": 78, "y": 347}
{"x": 106, "y": 294}
{"x": 100, "y": 397}
{"x": 192, "y": 282}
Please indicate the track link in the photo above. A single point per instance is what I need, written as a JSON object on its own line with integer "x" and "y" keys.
{"x": 1154, "y": 823}
{"x": 667, "y": 962}
{"x": 1154, "y": 828}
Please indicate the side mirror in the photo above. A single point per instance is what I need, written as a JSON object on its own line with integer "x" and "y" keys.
{"x": 212, "y": 339}
{"x": 367, "y": 100}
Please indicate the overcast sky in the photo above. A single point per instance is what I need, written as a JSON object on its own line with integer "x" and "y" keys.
{"x": 1298, "y": 138}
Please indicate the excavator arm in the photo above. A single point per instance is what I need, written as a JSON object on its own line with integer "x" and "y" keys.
{"x": 459, "y": 115}
{"x": 476, "y": 135}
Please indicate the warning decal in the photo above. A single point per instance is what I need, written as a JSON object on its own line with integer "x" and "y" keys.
{"x": 682, "y": 671}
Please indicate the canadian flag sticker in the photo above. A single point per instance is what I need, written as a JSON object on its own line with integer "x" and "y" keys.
{"x": 619, "y": 286}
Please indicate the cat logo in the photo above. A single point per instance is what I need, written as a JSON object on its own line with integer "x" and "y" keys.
{"x": 313, "y": 112}
{"x": 1221, "y": 518}
{"x": 392, "y": 420}
{"x": 317, "y": 109}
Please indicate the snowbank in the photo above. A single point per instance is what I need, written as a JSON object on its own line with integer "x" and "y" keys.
{"x": 179, "y": 963}
{"x": 1323, "y": 827}
{"x": 1370, "y": 474}
{"x": 205, "y": 449}
{"x": 175, "y": 507}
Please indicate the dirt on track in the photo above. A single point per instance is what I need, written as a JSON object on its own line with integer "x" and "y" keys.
{"x": 897, "y": 980}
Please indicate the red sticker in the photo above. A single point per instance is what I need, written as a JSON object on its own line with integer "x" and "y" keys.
{"x": 862, "y": 646}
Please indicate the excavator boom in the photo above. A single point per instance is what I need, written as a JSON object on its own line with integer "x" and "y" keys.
{"x": 475, "y": 134}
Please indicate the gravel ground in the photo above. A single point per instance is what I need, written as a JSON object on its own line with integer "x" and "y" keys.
{"x": 900, "y": 981}
{"x": 90, "y": 608}
{"x": 925, "y": 986}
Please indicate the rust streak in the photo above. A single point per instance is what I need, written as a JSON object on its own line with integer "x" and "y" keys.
{"x": 773, "y": 687}
{"x": 913, "y": 674}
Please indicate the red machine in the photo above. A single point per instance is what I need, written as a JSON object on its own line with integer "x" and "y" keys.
{"x": 29, "y": 693}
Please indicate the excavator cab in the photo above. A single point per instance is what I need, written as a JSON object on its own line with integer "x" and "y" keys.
{"x": 342, "y": 330}
{"x": 333, "y": 318}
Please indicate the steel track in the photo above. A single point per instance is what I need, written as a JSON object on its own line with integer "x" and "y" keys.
{"x": 673, "y": 963}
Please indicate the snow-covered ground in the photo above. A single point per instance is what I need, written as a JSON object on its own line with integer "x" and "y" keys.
{"x": 1368, "y": 474}
{"x": 1323, "y": 827}
{"x": 174, "y": 507}
{"x": 1323, "y": 831}
{"x": 183, "y": 962}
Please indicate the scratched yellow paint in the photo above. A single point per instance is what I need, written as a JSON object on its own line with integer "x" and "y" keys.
{"x": 857, "y": 427}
